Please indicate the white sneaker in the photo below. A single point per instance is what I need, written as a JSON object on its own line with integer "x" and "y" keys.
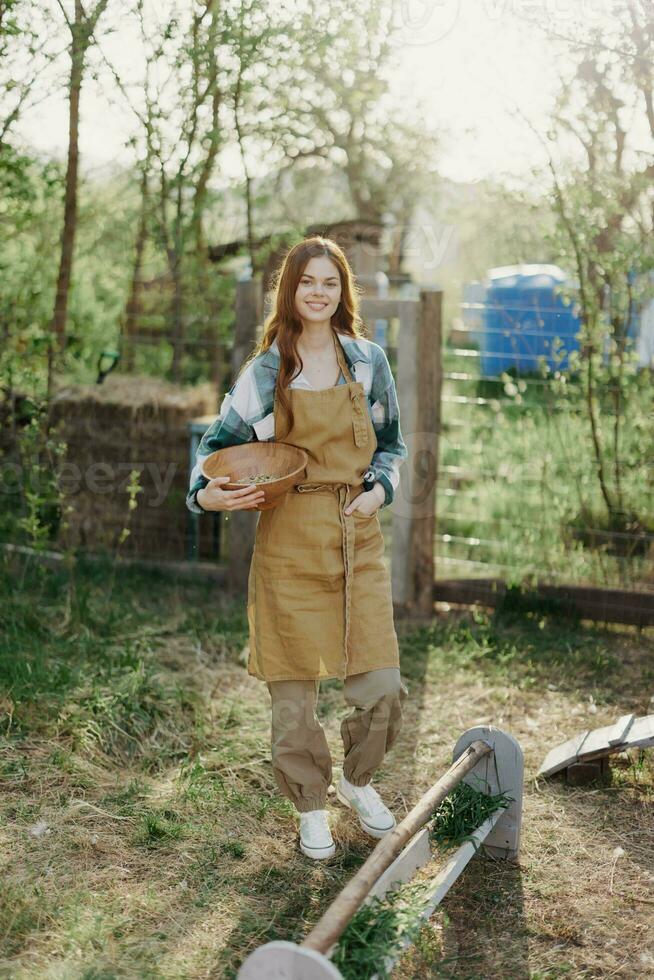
{"x": 315, "y": 836}
{"x": 375, "y": 818}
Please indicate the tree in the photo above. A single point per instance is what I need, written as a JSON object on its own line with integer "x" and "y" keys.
{"x": 603, "y": 197}
{"x": 81, "y": 27}
{"x": 333, "y": 104}
{"x": 26, "y": 55}
{"x": 183, "y": 145}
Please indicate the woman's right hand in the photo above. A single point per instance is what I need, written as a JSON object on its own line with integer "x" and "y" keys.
{"x": 212, "y": 497}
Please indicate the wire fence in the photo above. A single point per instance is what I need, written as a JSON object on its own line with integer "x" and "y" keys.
{"x": 518, "y": 495}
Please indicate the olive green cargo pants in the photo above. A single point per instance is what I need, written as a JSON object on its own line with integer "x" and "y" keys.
{"x": 301, "y": 759}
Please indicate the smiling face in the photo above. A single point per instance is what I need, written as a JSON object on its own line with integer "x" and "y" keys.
{"x": 318, "y": 292}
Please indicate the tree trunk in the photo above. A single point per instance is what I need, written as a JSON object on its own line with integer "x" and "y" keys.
{"x": 133, "y": 305}
{"x": 175, "y": 259}
{"x": 81, "y": 30}
{"x": 70, "y": 203}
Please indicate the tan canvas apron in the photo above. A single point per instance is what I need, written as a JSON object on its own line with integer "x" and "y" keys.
{"x": 319, "y": 592}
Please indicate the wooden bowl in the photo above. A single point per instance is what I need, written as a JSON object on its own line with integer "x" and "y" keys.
{"x": 286, "y": 463}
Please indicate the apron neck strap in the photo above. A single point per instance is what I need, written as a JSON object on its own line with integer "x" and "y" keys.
{"x": 341, "y": 359}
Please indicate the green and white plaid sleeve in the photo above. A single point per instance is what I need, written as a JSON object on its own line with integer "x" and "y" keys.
{"x": 232, "y": 427}
{"x": 391, "y": 450}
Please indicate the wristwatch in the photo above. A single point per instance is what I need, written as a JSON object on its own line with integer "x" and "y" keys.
{"x": 369, "y": 480}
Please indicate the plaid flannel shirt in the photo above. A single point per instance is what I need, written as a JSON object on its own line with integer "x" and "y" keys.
{"x": 246, "y": 412}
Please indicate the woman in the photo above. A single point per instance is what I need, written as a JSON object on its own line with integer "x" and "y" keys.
{"x": 319, "y": 594}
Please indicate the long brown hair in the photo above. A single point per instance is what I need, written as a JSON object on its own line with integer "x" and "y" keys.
{"x": 283, "y": 322}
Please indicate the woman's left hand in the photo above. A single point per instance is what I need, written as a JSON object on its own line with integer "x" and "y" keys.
{"x": 367, "y": 502}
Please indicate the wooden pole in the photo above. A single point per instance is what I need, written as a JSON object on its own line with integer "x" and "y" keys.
{"x": 419, "y": 375}
{"x": 339, "y": 913}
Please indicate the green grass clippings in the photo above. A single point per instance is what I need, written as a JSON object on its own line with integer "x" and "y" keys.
{"x": 461, "y": 813}
{"x": 379, "y": 929}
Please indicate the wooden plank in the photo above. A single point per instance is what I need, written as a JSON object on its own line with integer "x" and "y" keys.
{"x": 589, "y": 602}
{"x": 597, "y": 743}
{"x": 416, "y": 854}
{"x": 620, "y": 729}
{"x": 641, "y": 733}
{"x": 468, "y": 591}
{"x": 401, "y": 568}
{"x": 201, "y": 570}
{"x": 382, "y": 308}
{"x": 426, "y": 443}
{"x": 563, "y": 755}
{"x": 605, "y": 605}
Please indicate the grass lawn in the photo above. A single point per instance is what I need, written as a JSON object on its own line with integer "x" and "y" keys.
{"x": 143, "y": 834}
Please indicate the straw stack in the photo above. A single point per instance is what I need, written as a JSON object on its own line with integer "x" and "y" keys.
{"x": 126, "y": 423}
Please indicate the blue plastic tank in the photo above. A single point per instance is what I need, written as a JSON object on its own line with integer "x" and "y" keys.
{"x": 523, "y": 315}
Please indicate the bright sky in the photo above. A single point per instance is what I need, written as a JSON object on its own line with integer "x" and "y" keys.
{"x": 472, "y": 62}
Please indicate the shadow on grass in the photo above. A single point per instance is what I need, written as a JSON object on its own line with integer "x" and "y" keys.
{"x": 484, "y": 931}
{"x": 284, "y": 903}
{"x": 534, "y": 646}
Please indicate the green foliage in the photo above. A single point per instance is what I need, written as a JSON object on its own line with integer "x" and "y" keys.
{"x": 44, "y": 506}
{"x": 85, "y": 670}
{"x": 158, "y": 828}
{"x": 463, "y": 812}
{"x": 379, "y": 929}
{"x": 526, "y": 500}
{"x": 522, "y": 647}
{"x": 30, "y": 199}
{"x": 29, "y": 203}
{"x": 604, "y": 234}
{"x": 22, "y": 910}
{"x": 518, "y": 600}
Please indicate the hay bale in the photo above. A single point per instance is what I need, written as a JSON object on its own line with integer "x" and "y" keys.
{"x": 129, "y": 423}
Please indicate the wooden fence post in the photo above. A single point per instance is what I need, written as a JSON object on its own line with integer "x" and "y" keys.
{"x": 419, "y": 381}
{"x": 242, "y": 524}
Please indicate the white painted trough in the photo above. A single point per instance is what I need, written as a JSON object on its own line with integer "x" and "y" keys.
{"x": 489, "y": 760}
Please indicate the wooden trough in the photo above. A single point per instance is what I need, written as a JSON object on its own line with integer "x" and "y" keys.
{"x": 487, "y": 759}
